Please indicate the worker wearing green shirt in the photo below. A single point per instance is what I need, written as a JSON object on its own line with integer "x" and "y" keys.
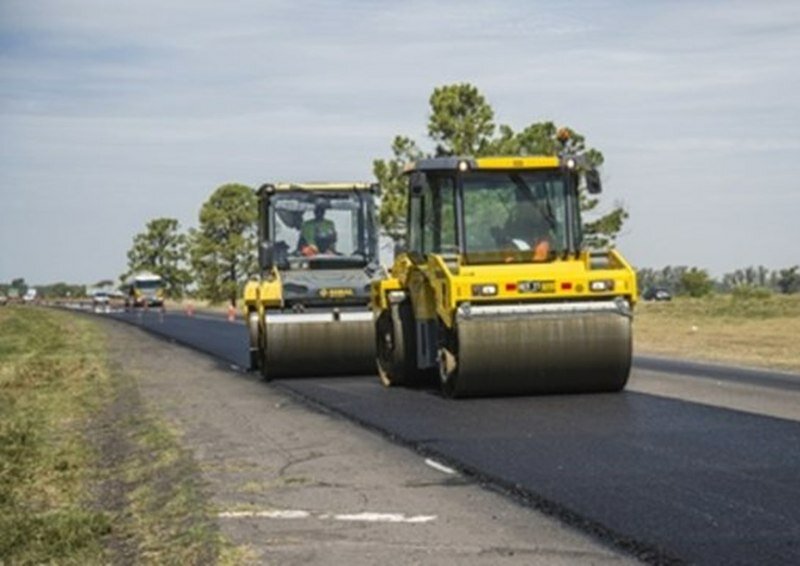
{"x": 318, "y": 235}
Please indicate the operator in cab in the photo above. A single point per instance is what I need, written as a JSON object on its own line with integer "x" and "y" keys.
{"x": 526, "y": 229}
{"x": 318, "y": 234}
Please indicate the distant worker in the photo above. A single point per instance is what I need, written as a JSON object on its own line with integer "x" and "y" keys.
{"x": 318, "y": 235}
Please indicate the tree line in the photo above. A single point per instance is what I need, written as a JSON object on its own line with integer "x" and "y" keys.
{"x": 18, "y": 287}
{"x": 214, "y": 260}
{"x": 696, "y": 282}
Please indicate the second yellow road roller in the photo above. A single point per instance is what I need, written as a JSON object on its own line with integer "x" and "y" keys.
{"x": 308, "y": 313}
{"x": 496, "y": 293}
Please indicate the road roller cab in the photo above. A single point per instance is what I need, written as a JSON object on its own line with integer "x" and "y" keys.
{"x": 308, "y": 312}
{"x": 496, "y": 294}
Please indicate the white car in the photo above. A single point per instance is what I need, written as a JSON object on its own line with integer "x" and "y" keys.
{"x": 101, "y": 302}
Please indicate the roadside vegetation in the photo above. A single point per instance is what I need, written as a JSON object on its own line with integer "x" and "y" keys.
{"x": 749, "y": 326}
{"x": 87, "y": 475}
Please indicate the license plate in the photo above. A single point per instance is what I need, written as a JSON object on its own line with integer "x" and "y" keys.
{"x": 335, "y": 293}
{"x": 536, "y": 286}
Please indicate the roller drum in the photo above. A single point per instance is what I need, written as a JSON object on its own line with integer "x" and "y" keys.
{"x": 564, "y": 349}
{"x": 319, "y": 344}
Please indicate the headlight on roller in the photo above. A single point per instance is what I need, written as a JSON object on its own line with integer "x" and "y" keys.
{"x": 484, "y": 290}
{"x": 396, "y": 296}
{"x": 601, "y": 285}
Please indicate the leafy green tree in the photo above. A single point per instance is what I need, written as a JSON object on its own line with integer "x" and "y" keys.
{"x": 788, "y": 280}
{"x": 696, "y": 282}
{"x": 223, "y": 248}
{"x": 668, "y": 277}
{"x": 20, "y": 285}
{"x": 461, "y": 122}
{"x": 61, "y": 290}
{"x": 389, "y": 172}
{"x": 161, "y": 249}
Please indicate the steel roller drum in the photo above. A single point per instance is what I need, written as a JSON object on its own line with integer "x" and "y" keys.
{"x": 551, "y": 348}
{"x": 320, "y": 344}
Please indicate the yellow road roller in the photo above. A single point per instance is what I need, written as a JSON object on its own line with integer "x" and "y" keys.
{"x": 496, "y": 294}
{"x": 308, "y": 313}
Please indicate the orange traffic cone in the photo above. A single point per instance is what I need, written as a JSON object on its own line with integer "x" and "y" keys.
{"x": 189, "y": 309}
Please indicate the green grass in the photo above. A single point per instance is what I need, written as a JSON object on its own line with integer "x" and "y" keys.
{"x": 750, "y": 328}
{"x": 49, "y": 384}
{"x": 744, "y": 305}
{"x": 87, "y": 474}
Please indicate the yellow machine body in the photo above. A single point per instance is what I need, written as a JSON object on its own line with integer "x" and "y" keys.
{"x": 494, "y": 328}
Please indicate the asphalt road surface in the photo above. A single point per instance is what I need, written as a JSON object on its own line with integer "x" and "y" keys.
{"x": 664, "y": 478}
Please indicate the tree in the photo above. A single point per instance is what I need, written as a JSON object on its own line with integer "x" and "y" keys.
{"x": 20, "y": 285}
{"x": 392, "y": 213}
{"x": 696, "y": 282}
{"x": 161, "y": 249}
{"x": 788, "y": 280}
{"x": 61, "y": 290}
{"x": 223, "y": 248}
{"x": 461, "y": 122}
{"x": 668, "y": 277}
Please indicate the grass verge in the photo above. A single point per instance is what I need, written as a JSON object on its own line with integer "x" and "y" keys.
{"x": 759, "y": 331}
{"x": 87, "y": 475}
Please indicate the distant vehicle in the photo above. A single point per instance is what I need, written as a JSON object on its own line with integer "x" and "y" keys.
{"x": 657, "y": 294}
{"x": 144, "y": 290}
{"x": 30, "y": 295}
{"x": 101, "y": 298}
{"x": 101, "y": 301}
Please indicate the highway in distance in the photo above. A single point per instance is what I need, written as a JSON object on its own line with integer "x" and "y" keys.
{"x": 666, "y": 479}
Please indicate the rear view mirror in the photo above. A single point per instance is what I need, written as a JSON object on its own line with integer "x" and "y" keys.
{"x": 266, "y": 255}
{"x": 418, "y": 183}
{"x": 593, "y": 185}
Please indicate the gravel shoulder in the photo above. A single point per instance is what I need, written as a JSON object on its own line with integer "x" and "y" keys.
{"x": 291, "y": 484}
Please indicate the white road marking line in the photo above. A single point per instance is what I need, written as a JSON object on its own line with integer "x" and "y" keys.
{"x": 279, "y": 514}
{"x": 441, "y": 467}
{"x": 386, "y": 518}
{"x": 365, "y": 517}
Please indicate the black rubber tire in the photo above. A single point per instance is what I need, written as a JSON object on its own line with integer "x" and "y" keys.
{"x": 390, "y": 340}
{"x": 448, "y": 343}
{"x": 255, "y": 354}
{"x": 263, "y": 363}
{"x": 396, "y": 347}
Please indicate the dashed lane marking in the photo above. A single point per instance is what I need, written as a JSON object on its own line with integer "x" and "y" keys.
{"x": 284, "y": 514}
{"x": 365, "y": 517}
{"x": 386, "y": 518}
{"x": 440, "y": 467}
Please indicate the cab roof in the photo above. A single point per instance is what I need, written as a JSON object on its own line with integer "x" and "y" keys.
{"x": 313, "y": 186}
{"x": 478, "y": 163}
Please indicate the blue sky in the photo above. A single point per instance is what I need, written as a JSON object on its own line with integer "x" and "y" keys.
{"x": 114, "y": 113}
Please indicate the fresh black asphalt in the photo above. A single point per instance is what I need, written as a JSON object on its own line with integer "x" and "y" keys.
{"x": 667, "y": 480}
{"x": 765, "y": 378}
